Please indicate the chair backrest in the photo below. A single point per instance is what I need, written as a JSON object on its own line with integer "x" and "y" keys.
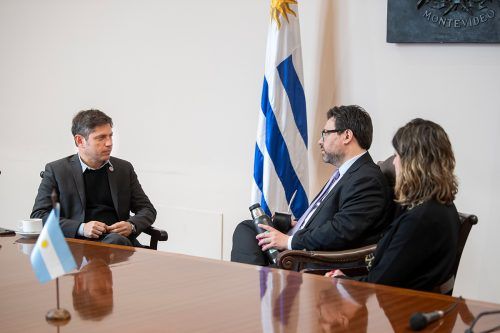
{"x": 388, "y": 170}
{"x": 466, "y": 223}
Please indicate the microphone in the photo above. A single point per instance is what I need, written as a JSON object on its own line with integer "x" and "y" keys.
{"x": 419, "y": 320}
{"x": 111, "y": 169}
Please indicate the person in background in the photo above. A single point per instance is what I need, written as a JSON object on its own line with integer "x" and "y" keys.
{"x": 418, "y": 250}
{"x": 96, "y": 192}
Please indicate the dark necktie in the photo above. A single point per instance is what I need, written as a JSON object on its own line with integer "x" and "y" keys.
{"x": 316, "y": 202}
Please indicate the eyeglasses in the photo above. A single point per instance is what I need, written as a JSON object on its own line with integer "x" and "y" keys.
{"x": 325, "y": 132}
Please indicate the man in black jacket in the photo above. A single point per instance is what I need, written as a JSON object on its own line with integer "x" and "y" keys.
{"x": 97, "y": 192}
{"x": 352, "y": 209}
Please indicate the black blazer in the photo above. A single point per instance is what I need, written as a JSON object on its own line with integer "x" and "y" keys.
{"x": 418, "y": 251}
{"x": 67, "y": 178}
{"x": 353, "y": 214}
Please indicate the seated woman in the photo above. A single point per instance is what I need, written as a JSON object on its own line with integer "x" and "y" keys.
{"x": 419, "y": 247}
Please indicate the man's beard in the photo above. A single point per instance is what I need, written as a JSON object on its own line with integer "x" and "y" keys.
{"x": 334, "y": 159}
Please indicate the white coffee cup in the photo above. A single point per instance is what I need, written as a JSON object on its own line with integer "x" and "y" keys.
{"x": 31, "y": 225}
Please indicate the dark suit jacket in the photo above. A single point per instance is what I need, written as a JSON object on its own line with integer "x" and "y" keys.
{"x": 418, "y": 251}
{"x": 353, "y": 214}
{"x": 67, "y": 178}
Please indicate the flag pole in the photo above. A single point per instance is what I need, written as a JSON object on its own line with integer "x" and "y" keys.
{"x": 57, "y": 292}
{"x": 57, "y": 316}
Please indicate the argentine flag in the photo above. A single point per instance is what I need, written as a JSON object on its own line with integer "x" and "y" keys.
{"x": 51, "y": 256}
{"x": 280, "y": 161}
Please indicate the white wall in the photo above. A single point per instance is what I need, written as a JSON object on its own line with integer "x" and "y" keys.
{"x": 182, "y": 81}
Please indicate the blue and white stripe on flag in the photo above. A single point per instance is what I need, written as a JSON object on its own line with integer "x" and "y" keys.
{"x": 51, "y": 256}
{"x": 280, "y": 161}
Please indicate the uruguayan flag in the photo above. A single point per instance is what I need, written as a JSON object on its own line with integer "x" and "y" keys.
{"x": 51, "y": 256}
{"x": 280, "y": 162}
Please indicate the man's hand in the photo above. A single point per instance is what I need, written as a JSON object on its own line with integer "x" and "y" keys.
{"x": 272, "y": 238}
{"x": 123, "y": 228}
{"x": 94, "y": 229}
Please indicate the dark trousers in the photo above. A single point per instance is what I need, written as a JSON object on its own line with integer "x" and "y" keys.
{"x": 117, "y": 239}
{"x": 245, "y": 246}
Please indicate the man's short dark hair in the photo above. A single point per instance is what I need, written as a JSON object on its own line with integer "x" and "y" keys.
{"x": 85, "y": 121}
{"x": 356, "y": 119}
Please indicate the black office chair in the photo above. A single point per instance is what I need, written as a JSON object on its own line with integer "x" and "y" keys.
{"x": 156, "y": 235}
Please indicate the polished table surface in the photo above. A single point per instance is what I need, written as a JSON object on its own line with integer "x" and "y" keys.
{"x": 118, "y": 289}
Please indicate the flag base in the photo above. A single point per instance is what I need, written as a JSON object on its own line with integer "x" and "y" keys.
{"x": 58, "y": 317}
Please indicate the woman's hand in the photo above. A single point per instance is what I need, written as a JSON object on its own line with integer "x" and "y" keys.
{"x": 334, "y": 273}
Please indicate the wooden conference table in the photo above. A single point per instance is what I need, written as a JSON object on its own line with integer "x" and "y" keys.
{"x": 118, "y": 289}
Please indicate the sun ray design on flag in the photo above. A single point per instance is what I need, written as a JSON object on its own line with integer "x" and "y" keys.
{"x": 281, "y": 8}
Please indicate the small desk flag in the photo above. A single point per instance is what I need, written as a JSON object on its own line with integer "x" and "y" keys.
{"x": 51, "y": 256}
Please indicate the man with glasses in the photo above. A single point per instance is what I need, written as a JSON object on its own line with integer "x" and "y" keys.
{"x": 352, "y": 209}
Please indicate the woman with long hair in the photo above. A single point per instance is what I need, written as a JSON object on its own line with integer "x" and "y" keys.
{"x": 418, "y": 250}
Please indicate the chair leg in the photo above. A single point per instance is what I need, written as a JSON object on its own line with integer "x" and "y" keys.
{"x": 153, "y": 244}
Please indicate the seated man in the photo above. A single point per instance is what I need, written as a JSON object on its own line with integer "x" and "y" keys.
{"x": 352, "y": 209}
{"x": 97, "y": 192}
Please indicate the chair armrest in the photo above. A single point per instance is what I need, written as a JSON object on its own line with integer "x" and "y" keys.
{"x": 156, "y": 236}
{"x": 354, "y": 271}
{"x": 160, "y": 234}
{"x": 470, "y": 218}
{"x": 297, "y": 259}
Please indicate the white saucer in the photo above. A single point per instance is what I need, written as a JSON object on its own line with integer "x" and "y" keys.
{"x": 27, "y": 234}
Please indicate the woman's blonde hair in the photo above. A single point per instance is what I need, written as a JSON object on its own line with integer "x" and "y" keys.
{"x": 427, "y": 164}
